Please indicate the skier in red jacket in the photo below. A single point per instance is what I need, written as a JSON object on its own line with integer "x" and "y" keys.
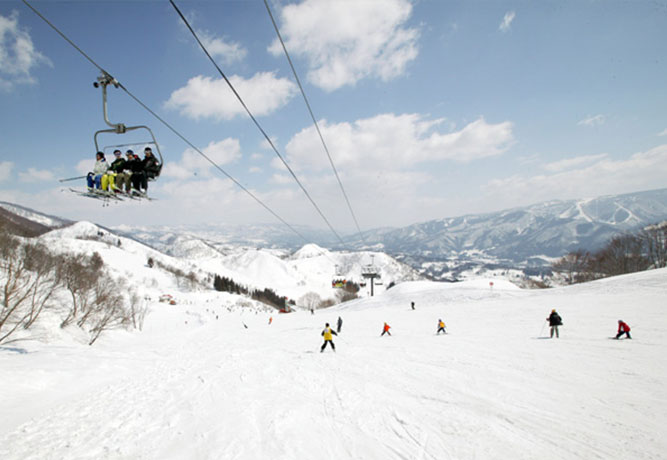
{"x": 623, "y": 328}
{"x": 385, "y": 329}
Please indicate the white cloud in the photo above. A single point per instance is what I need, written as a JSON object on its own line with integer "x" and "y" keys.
{"x": 573, "y": 162}
{"x": 5, "y": 170}
{"x": 641, "y": 171}
{"x": 506, "y": 23}
{"x": 229, "y": 52}
{"x": 345, "y": 42}
{"x": 205, "y": 97}
{"x": 663, "y": 133}
{"x": 33, "y": 175}
{"x": 193, "y": 164}
{"x": 397, "y": 142}
{"x": 254, "y": 170}
{"x": 18, "y": 56}
{"x": 595, "y": 120}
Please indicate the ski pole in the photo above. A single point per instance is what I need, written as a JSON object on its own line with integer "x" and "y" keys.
{"x": 72, "y": 178}
{"x": 542, "y": 330}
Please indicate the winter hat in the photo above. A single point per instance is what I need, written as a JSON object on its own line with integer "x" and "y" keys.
{"x": 129, "y": 152}
{"x": 116, "y": 152}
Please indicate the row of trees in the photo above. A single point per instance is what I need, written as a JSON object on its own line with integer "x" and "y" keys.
{"x": 267, "y": 296}
{"x": 623, "y": 254}
{"x": 75, "y": 288}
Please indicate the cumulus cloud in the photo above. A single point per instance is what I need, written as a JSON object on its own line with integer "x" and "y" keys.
{"x": 206, "y": 97}
{"x": 229, "y": 52}
{"x": 506, "y": 23}
{"x": 640, "y": 171}
{"x": 397, "y": 142}
{"x": 193, "y": 164}
{"x": 663, "y": 133}
{"x": 595, "y": 120}
{"x": 570, "y": 163}
{"x": 33, "y": 175}
{"x": 5, "y": 170}
{"x": 344, "y": 42}
{"x": 18, "y": 56}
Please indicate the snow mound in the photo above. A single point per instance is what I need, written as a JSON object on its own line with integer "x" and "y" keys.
{"x": 309, "y": 251}
{"x": 82, "y": 229}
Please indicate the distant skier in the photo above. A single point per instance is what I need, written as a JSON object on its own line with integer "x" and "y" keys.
{"x": 554, "y": 321}
{"x": 340, "y": 324}
{"x": 623, "y": 328}
{"x": 385, "y": 329}
{"x": 441, "y": 327}
{"x": 412, "y": 304}
{"x": 328, "y": 334}
{"x": 270, "y": 320}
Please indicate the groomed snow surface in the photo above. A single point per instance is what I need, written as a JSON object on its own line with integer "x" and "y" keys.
{"x": 191, "y": 386}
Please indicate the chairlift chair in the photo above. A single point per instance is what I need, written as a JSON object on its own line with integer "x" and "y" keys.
{"x": 103, "y": 81}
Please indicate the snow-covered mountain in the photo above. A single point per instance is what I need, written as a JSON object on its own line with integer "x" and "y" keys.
{"x": 528, "y": 238}
{"x": 527, "y": 235}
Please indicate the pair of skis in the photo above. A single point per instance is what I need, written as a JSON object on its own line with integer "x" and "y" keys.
{"x": 108, "y": 196}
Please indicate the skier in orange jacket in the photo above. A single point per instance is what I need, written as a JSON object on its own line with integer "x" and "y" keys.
{"x": 385, "y": 329}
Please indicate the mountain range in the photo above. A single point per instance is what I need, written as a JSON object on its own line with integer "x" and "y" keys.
{"x": 527, "y": 238}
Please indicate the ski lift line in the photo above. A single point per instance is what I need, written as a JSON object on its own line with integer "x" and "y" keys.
{"x": 266, "y": 136}
{"x": 165, "y": 123}
{"x": 312, "y": 116}
{"x": 66, "y": 38}
{"x": 214, "y": 164}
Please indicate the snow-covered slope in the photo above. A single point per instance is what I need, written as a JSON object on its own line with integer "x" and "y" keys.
{"x": 198, "y": 384}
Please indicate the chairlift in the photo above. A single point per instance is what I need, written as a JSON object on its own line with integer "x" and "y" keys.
{"x": 338, "y": 281}
{"x": 103, "y": 81}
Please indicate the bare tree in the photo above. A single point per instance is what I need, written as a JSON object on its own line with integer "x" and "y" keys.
{"x": 79, "y": 277}
{"x": 574, "y": 266}
{"x": 15, "y": 282}
{"x": 623, "y": 254}
{"x": 137, "y": 310}
{"x": 310, "y": 300}
{"x": 46, "y": 279}
{"x": 654, "y": 238}
{"x": 109, "y": 312}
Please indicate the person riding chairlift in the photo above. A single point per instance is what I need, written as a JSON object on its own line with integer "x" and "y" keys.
{"x": 94, "y": 178}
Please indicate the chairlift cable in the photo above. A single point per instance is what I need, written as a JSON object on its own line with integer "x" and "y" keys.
{"x": 312, "y": 116}
{"x": 266, "y": 136}
{"x": 166, "y": 124}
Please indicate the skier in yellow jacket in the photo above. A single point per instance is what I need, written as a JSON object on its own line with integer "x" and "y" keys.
{"x": 441, "y": 327}
{"x": 328, "y": 334}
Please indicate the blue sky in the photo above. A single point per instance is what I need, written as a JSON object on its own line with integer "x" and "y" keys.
{"x": 430, "y": 109}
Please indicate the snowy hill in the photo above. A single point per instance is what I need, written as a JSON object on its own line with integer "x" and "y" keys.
{"x": 35, "y": 216}
{"x": 543, "y": 231}
{"x": 198, "y": 384}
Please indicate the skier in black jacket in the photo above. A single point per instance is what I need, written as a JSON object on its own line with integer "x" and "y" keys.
{"x": 554, "y": 321}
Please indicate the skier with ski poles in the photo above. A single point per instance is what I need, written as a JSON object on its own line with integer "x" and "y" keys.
{"x": 328, "y": 334}
{"x": 554, "y": 321}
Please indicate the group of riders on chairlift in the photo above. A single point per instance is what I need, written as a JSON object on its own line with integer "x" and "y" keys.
{"x": 129, "y": 175}
{"x": 124, "y": 176}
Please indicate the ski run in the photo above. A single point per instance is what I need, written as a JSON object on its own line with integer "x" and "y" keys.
{"x": 197, "y": 384}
